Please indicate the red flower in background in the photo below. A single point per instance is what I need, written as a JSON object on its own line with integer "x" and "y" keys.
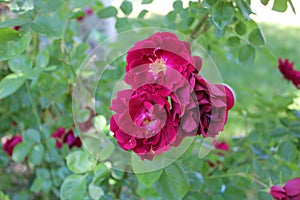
{"x": 288, "y": 71}
{"x": 10, "y": 144}
{"x": 17, "y": 28}
{"x": 66, "y": 137}
{"x": 88, "y": 11}
{"x": 290, "y": 191}
{"x": 222, "y": 146}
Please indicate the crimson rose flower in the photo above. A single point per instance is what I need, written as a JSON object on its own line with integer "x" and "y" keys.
{"x": 168, "y": 100}
{"x": 290, "y": 191}
{"x": 288, "y": 71}
{"x": 154, "y": 58}
{"x": 66, "y": 137}
{"x": 143, "y": 121}
{"x": 88, "y": 11}
{"x": 10, "y": 144}
{"x": 222, "y": 146}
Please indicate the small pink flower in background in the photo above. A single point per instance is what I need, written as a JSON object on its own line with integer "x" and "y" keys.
{"x": 17, "y": 28}
{"x": 10, "y": 144}
{"x": 66, "y": 137}
{"x": 290, "y": 191}
{"x": 88, "y": 11}
{"x": 287, "y": 69}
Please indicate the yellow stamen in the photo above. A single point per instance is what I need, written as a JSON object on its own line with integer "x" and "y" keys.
{"x": 158, "y": 66}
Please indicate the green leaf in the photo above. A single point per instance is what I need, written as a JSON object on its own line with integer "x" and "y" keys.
{"x": 247, "y": 54}
{"x": 50, "y": 25}
{"x": 31, "y": 136}
{"x": 14, "y": 22}
{"x": 4, "y": 196}
{"x": 20, "y": 64}
{"x": 149, "y": 178}
{"x": 256, "y": 37}
{"x": 126, "y": 7}
{"x": 288, "y": 151}
{"x": 142, "y": 14}
{"x": 107, "y": 12}
{"x": 234, "y": 192}
{"x": 264, "y": 2}
{"x": 280, "y": 5}
{"x": 100, "y": 122}
{"x": 177, "y": 5}
{"x": 292, "y": 5}
{"x": 12, "y": 43}
{"x": 173, "y": 183}
{"x": 233, "y": 41}
{"x": 244, "y": 8}
{"x": 95, "y": 192}
{"x": 10, "y": 84}
{"x": 36, "y": 155}
{"x": 80, "y": 162}
{"x": 51, "y": 6}
{"x": 73, "y": 188}
{"x": 170, "y": 17}
{"x": 222, "y": 14}
{"x": 36, "y": 186}
{"x": 20, "y": 151}
{"x": 42, "y": 59}
{"x": 100, "y": 172}
{"x": 147, "y": 1}
{"x": 240, "y": 28}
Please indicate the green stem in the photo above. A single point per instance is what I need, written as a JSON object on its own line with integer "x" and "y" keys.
{"x": 33, "y": 106}
{"x": 197, "y": 29}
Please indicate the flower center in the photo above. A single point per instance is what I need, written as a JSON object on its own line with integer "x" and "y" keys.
{"x": 158, "y": 66}
{"x": 145, "y": 121}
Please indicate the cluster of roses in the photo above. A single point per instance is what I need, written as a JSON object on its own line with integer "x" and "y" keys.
{"x": 168, "y": 100}
{"x": 290, "y": 191}
{"x": 288, "y": 71}
{"x": 61, "y": 135}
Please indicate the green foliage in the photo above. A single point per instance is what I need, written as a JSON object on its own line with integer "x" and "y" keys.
{"x": 40, "y": 63}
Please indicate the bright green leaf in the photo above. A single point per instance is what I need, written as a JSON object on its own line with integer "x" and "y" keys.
{"x": 10, "y": 84}
{"x": 95, "y": 192}
{"x": 100, "y": 172}
{"x": 50, "y": 25}
{"x": 177, "y": 5}
{"x": 20, "y": 151}
{"x": 173, "y": 183}
{"x": 31, "y": 136}
{"x": 126, "y": 7}
{"x": 288, "y": 151}
{"x": 80, "y": 161}
{"x": 42, "y": 59}
{"x": 147, "y": 1}
{"x": 14, "y": 22}
{"x": 233, "y": 41}
{"x": 265, "y": 2}
{"x": 20, "y": 64}
{"x": 51, "y": 6}
{"x": 73, "y": 188}
{"x": 222, "y": 14}
{"x": 240, "y": 28}
{"x": 142, "y": 14}
{"x": 12, "y": 43}
{"x": 256, "y": 37}
{"x": 149, "y": 178}
{"x": 100, "y": 122}
{"x": 280, "y": 5}
{"x": 107, "y": 12}
{"x": 36, "y": 155}
{"x": 247, "y": 54}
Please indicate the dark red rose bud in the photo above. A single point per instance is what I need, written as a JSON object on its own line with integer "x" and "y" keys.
{"x": 17, "y": 28}
{"x": 9, "y": 145}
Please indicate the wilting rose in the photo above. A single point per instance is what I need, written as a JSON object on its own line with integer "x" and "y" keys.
{"x": 10, "y": 144}
{"x": 292, "y": 189}
{"x": 288, "y": 71}
{"x": 154, "y": 58}
{"x": 143, "y": 121}
{"x": 66, "y": 137}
